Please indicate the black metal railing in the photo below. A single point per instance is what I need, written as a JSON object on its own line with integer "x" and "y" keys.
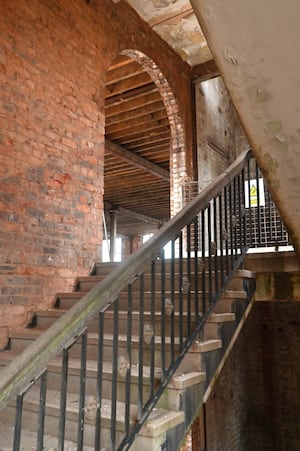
{"x": 264, "y": 227}
{"x": 137, "y": 324}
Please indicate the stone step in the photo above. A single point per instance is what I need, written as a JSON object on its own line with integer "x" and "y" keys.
{"x": 227, "y": 299}
{"x": 178, "y": 383}
{"x": 158, "y": 423}
{"x": 68, "y": 299}
{"x": 45, "y": 318}
{"x": 86, "y": 283}
{"x": 19, "y": 340}
{"x": 29, "y": 440}
{"x": 199, "y": 263}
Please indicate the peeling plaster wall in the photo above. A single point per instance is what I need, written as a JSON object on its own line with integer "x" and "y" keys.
{"x": 255, "y": 45}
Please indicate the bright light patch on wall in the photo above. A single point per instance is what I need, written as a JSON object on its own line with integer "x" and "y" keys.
{"x": 254, "y": 192}
{"x": 167, "y": 248}
{"x": 118, "y": 250}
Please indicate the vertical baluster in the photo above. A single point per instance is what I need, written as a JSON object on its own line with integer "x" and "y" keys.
{"x": 221, "y": 226}
{"x": 231, "y": 222}
{"x": 63, "y": 400}
{"x": 152, "y": 344}
{"x": 250, "y": 226}
{"x": 226, "y": 225}
{"x": 163, "y": 312}
{"x": 235, "y": 207}
{"x": 114, "y": 382}
{"x": 258, "y": 205}
{"x": 172, "y": 287}
{"x": 209, "y": 255}
{"x": 272, "y": 235}
{"x": 42, "y": 412}
{"x": 82, "y": 392}
{"x": 180, "y": 267}
{"x": 196, "y": 268}
{"x": 203, "y": 228}
{"x": 128, "y": 373}
{"x": 18, "y": 422}
{"x": 240, "y": 207}
{"x": 215, "y": 250}
{"x": 141, "y": 347}
{"x": 284, "y": 238}
{"x": 188, "y": 239}
{"x": 99, "y": 381}
{"x": 243, "y": 210}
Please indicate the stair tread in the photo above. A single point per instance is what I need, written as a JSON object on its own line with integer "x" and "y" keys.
{"x": 159, "y": 418}
{"x": 29, "y": 441}
{"x": 221, "y": 317}
{"x": 56, "y": 312}
{"x": 179, "y": 381}
{"x": 232, "y": 294}
{"x": 33, "y": 333}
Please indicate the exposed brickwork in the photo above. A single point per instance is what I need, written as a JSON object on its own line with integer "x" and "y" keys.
{"x": 255, "y": 404}
{"x": 220, "y": 137}
{"x": 53, "y": 63}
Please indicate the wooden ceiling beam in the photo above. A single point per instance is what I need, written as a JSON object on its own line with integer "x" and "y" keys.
{"x": 122, "y": 73}
{"x": 120, "y": 61}
{"x": 134, "y": 113}
{"x": 171, "y": 18}
{"x": 153, "y": 139}
{"x": 128, "y": 84}
{"x": 136, "y": 160}
{"x": 144, "y": 131}
{"x": 129, "y": 95}
{"x": 118, "y": 105}
{"x": 205, "y": 71}
{"x": 131, "y": 214}
{"x": 151, "y": 118}
{"x": 163, "y": 145}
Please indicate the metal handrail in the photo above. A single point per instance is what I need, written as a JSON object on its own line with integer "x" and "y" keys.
{"x": 27, "y": 367}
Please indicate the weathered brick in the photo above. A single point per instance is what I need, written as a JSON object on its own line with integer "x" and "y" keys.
{"x": 255, "y": 403}
{"x": 52, "y": 135}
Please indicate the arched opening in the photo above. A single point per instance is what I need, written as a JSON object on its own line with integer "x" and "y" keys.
{"x": 144, "y": 158}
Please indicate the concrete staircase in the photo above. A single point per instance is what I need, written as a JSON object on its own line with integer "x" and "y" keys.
{"x": 176, "y": 408}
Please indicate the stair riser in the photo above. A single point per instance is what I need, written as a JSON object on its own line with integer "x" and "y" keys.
{"x": 20, "y": 344}
{"x": 54, "y": 383}
{"x": 43, "y": 322}
{"x": 68, "y": 302}
{"x": 86, "y": 284}
{"x": 225, "y": 305}
{"x": 206, "y": 361}
{"x": 89, "y": 283}
{"x": 30, "y": 421}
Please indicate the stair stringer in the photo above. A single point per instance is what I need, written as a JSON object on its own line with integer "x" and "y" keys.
{"x": 194, "y": 396}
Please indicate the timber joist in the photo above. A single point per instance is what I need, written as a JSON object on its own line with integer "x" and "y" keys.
{"x": 137, "y": 146}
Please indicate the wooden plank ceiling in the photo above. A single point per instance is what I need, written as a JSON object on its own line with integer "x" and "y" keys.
{"x": 137, "y": 149}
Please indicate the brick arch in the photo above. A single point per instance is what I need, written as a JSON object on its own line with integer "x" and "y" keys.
{"x": 177, "y": 151}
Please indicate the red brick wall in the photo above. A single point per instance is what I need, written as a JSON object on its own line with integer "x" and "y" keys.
{"x": 53, "y": 61}
{"x": 255, "y": 404}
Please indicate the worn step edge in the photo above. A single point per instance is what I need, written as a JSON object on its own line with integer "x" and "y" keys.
{"x": 182, "y": 381}
{"x": 161, "y": 421}
{"x": 221, "y": 318}
{"x": 31, "y": 334}
{"x": 206, "y": 346}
